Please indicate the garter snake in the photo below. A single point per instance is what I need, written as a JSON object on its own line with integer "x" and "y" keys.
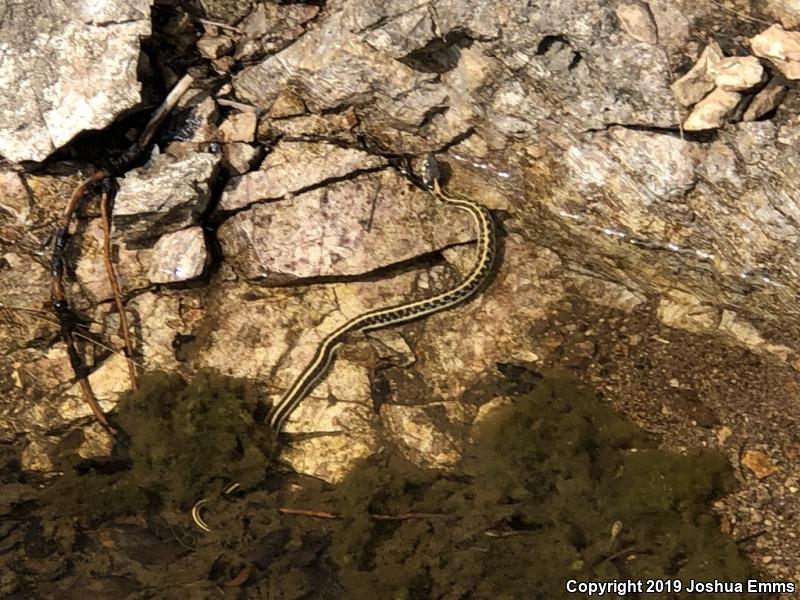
{"x": 393, "y": 315}
{"x": 311, "y": 375}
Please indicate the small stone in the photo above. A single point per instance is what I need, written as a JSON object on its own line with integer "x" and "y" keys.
{"x": 674, "y": 383}
{"x": 637, "y": 21}
{"x": 178, "y": 256}
{"x": 213, "y": 47}
{"x": 710, "y": 112}
{"x": 697, "y": 82}
{"x": 759, "y": 464}
{"x": 239, "y": 157}
{"x": 239, "y": 127}
{"x": 781, "y": 48}
{"x": 737, "y": 73}
{"x": 723, "y": 434}
{"x": 764, "y": 101}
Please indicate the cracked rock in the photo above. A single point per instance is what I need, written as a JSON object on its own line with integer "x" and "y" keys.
{"x": 293, "y": 166}
{"x": 66, "y": 68}
{"x": 163, "y": 197}
{"x": 178, "y": 256}
{"x": 351, "y": 227}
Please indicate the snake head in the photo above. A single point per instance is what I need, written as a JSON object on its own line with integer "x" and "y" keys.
{"x": 430, "y": 171}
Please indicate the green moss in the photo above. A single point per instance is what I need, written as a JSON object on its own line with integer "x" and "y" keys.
{"x": 184, "y": 436}
{"x": 534, "y": 505}
{"x": 179, "y": 438}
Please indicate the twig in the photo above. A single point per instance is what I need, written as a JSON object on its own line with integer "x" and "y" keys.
{"x": 308, "y": 513}
{"x": 321, "y": 514}
{"x": 739, "y": 14}
{"x": 112, "y": 279}
{"x": 218, "y": 24}
{"x": 162, "y": 111}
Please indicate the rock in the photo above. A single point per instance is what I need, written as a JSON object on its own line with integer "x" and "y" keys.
{"x": 36, "y": 456}
{"x": 421, "y": 434}
{"x": 329, "y": 457}
{"x": 239, "y": 127}
{"x": 764, "y": 102}
{"x": 162, "y": 197}
{"x": 91, "y": 272}
{"x": 710, "y": 112}
{"x": 292, "y": 167}
{"x": 637, "y": 21}
{"x": 287, "y": 104}
{"x": 737, "y": 73}
{"x": 698, "y": 81}
{"x": 108, "y": 381}
{"x": 781, "y": 48}
{"x": 759, "y": 464}
{"x": 178, "y": 256}
{"x": 64, "y": 69}
{"x": 214, "y": 46}
{"x": 785, "y": 11}
{"x": 238, "y": 158}
{"x": 347, "y": 228}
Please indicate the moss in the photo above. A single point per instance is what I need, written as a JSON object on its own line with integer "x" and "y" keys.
{"x": 534, "y": 504}
{"x": 185, "y": 436}
{"x": 178, "y": 438}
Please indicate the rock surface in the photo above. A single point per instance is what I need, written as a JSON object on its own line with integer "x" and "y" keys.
{"x": 646, "y": 186}
{"x": 66, "y": 68}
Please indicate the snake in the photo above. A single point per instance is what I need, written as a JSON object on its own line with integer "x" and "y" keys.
{"x": 486, "y": 236}
{"x": 315, "y": 370}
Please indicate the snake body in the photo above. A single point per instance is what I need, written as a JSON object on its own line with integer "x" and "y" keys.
{"x": 315, "y": 370}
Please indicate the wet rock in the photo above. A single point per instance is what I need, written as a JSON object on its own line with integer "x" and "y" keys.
{"x": 65, "y": 69}
{"x": 737, "y": 73}
{"x": 292, "y": 167}
{"x": 698, "y": 81}
{"x": 163, "y": 197}
{"x": 781, "y": 48}
{"x": 710, "y": 112}
{"x": 764, "y": 102}
{"x": 178, "y": 256}
{"x": 351, "y": 227}
{"x": 637, "y": 21}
